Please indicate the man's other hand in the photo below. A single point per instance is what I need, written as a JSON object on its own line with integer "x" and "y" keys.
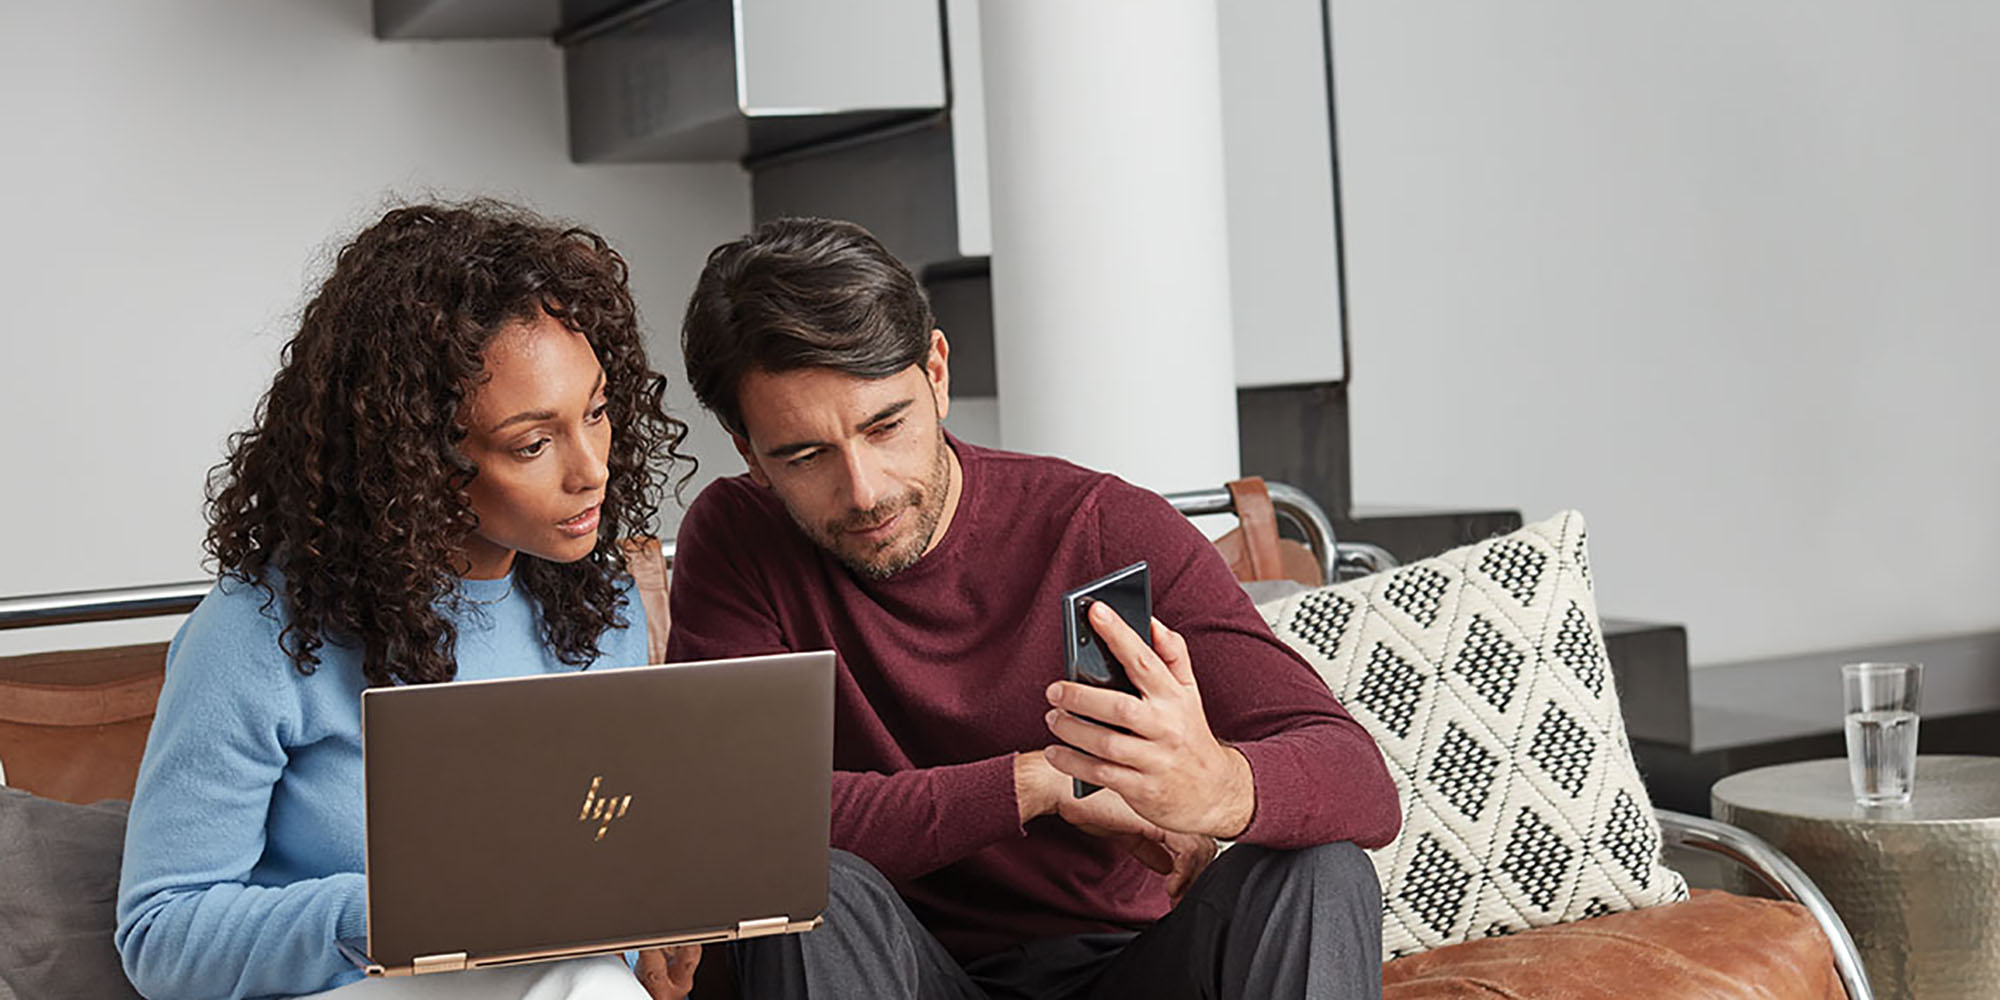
{"x": 1181, "y": 857}
{"x": 668, "y": 973}
{"x": 1168, "y": 766}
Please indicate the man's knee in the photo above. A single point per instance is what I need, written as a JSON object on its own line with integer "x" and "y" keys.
{"x": 862, "y": 907}
{"x": 1338, "y": 871}
{"x": 1343, "y": 869}
{"x": 852, "y": 884}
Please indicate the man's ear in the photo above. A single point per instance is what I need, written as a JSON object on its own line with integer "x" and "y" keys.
{"x": 937, "y": 371}
{"x": 750, "y": 460}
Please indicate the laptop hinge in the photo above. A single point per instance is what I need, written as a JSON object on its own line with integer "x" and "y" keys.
{"x": 451, "y": 962}
{"x": 764, "y": 927}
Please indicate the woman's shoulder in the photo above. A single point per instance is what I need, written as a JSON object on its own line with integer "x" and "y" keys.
{"x": 242, "y": 604}
{"x": 239, "y": 625}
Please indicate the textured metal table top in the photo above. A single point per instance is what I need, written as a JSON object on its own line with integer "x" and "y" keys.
{"x": 1947, "y": 789}
{"x": 1918, "y": 886}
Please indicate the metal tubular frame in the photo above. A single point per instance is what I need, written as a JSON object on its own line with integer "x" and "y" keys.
{"x": 101, "y": 605}
{"x": 1780, "y": 874}
{"x": 1294, "y": 505}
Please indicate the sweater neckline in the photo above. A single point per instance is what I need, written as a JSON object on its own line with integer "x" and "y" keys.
{"x": 487, "y": 592}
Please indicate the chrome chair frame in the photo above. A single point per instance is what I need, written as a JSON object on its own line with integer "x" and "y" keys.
{"x": 1348, "y": 559}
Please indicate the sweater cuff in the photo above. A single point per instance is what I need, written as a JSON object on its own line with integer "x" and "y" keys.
{"x": 351, "y": 917}
{"x": 982, "y": 801}
{"x": 1283, "y": 810}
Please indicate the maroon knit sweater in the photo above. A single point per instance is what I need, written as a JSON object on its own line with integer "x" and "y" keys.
{"x": 941, "y": 675}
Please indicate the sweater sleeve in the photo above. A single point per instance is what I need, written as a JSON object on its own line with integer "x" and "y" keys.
{"x": 189, "y": 922}
{"x": 1318, "y": 775}
{"x": 906, "y": 823}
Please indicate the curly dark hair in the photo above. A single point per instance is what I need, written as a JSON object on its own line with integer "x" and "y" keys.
{"x": 350, "y": 483}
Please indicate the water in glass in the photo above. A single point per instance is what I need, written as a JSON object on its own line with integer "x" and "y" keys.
{"x": 1882, "y": 755}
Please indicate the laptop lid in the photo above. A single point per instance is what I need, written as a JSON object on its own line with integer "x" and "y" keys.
{"x": 571, "y": 814}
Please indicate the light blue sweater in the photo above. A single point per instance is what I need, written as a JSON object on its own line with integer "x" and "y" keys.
{"x": 243, "y": 855}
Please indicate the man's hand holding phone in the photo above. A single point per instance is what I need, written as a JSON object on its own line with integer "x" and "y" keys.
{"x": 1166, "y": 764}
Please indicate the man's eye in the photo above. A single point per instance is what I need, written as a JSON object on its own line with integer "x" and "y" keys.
{"x": 884, "y": 430}
{"x": 530, "y": 451}
{"x": 801, "y": 461}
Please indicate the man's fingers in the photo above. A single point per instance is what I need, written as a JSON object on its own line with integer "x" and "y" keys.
{"x": 1078, "y": 764}
{"x": 1142, "y": 664}
{"x": 1100, "y": 742}
{"x": 1105, "y": 707}
{"x": 1151, "y": 853}
{"x": 1192, "y": 854}
{"x": 1173, "y": 652}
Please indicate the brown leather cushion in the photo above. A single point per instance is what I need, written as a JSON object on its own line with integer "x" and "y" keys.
{"x": 73, "y": 724}
{"x": 1715, "y": 945}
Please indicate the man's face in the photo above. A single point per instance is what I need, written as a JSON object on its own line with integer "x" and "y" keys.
{"x": 861, "y": 464}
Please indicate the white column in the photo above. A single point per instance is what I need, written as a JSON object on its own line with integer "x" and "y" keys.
{"x": 1110, "y": 237}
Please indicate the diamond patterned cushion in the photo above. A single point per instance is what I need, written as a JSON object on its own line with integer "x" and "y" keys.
{"x": 1482, "y": 673}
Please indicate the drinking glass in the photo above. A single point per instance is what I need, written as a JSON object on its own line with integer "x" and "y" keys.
{"x": 1882, "y": 730}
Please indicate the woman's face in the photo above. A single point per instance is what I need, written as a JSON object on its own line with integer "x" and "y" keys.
{"x": 537, "y": 429}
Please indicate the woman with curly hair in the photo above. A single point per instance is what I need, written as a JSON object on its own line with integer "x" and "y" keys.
{"x": 431, "y": 490}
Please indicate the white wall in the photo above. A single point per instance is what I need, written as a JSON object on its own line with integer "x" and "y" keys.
{"x": 1721, "y": 275}
{"x": 174, "y": 177}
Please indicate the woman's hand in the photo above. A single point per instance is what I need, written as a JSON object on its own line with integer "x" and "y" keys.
{"x": 668, "y": 973}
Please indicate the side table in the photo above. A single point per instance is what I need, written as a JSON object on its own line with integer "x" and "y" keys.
{"x": 1918, "y": 886}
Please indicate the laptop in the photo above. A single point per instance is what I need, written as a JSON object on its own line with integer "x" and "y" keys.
{"x": 559, "y": 816}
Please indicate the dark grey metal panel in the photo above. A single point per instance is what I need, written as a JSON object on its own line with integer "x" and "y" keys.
{"x": 898, "y": 185}
{"x": 661, "y": 86}
{"x": 467, "y": 18}
{"x": 1679, "y": 778}
{"x": 445, "y": 19}
{"x": 1649, "y": 662}
{"x": 1297, "y": 434}
{"x": 1417, "y": 533}
{"x": 1761, "y": 701}
{"x": 659, "y": 82}
{"x": 962, "y": 298}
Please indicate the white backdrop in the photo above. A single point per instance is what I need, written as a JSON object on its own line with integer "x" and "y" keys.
{"x": 174, "y": 177}
{"x": 1721, "y": 275}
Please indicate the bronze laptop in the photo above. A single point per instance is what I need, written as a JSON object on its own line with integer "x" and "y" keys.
{"x": 558, "y": 816}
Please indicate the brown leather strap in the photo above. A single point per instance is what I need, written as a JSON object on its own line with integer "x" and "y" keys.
{"x": 648, "y": 566}
{"x": 1259, "y": 522}
{"x": 80, "y": 704}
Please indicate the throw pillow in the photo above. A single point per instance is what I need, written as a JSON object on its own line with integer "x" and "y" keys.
{"x": 1483, "y": 675}
{"x": 58, "y": 897}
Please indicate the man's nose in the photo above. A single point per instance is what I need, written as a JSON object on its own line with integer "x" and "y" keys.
{"x": 867, "y": 481}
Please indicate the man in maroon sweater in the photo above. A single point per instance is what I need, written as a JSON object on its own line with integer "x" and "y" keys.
{"x": 965, "y": 865}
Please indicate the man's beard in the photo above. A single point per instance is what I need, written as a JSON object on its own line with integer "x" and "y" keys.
{"x": 926, "y": 506}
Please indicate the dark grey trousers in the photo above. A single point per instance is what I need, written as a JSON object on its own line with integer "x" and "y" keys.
{"x": 1259, "y": 924}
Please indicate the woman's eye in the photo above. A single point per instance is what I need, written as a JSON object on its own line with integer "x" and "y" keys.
{"x": 597, "y": 412}
{"x": 530, "y": 451}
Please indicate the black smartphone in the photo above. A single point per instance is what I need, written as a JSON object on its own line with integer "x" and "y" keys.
{"x": 1086, "y": 657}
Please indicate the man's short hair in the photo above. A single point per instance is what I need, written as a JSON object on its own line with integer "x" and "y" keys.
{"x": 800, "y": 293}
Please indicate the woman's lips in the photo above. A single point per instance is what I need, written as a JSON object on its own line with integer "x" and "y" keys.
{"x": 582, "y": 524}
